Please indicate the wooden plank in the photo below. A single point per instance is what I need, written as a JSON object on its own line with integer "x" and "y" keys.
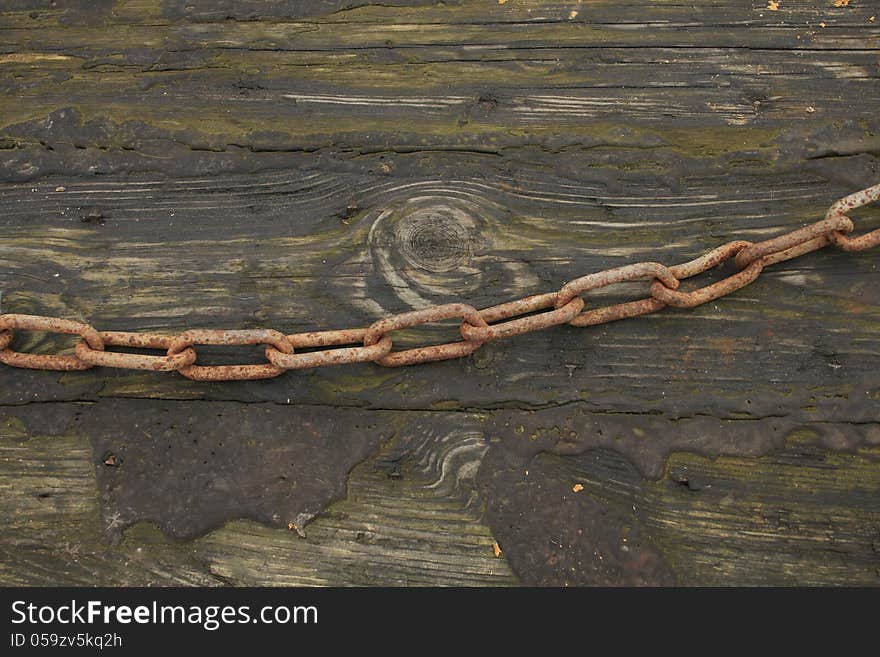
{"x": 412, "y": 516}
{"x": 318, "y": 167}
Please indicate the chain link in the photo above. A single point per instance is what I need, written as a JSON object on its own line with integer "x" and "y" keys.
{"x": 618, "y": 275}
{"x": 796, "y": 243}
{"x": 166, "y": 363}
{"x": 713, "y": 258}
{"x": 294, "y": 361}
{"x": 51, "y": 325}
{"x": 477, "y": 327}
{"x": 188, "y": 340}
{"x": 468, "y": 315}
{"x": 525, "y": 324}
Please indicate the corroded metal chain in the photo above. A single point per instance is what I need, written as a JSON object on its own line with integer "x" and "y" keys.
{"x": 283, "y": 352}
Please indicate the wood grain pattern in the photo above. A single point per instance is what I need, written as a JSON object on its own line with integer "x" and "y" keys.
{"x": 319, "y": 165}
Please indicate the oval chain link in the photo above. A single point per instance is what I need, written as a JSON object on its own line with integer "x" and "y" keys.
{"x": 793, "y": 244}
{"x": 520, "y": 325}
{"x": 617, "y": 311}
{"x": 63, "y": 362}
{"x": 713, "y": 258}
{"x": 468, "y": 314}
{"x": 135, "y": 361}
{"x": 298, "y": 361}
{"x": 188, "y": 340}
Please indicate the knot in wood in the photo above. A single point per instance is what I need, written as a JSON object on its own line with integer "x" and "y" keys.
{"x": 436, "y": 239}
{"x": 428, "y": 246}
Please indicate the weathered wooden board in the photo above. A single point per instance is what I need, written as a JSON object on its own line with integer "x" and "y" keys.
{"x": 319, "y": 165}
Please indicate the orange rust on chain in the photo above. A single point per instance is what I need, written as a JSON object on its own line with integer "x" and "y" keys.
{"x": 295, "y": 361}
{"x": 708, "y": 260}
{"x": 616, "y": 275}
{"x": 797, "y": 250}
{"x": 676, "y": 272}
{"x": 710, "y": 292}
{"x": 188, "y": 339}
{"x": 787, "y": 244}
{"x": 468, "y": 314}
{"x": 681, "y": 299}
{"x": 851, "y": 202}
{"x": 135, "y": 361}
{"x": 477, "y": 326}
{"x": 617, "y": 311}
{"x": 521, "y": 325}
{"x": 605, "y": 314}
{"x": 61, "y": 362}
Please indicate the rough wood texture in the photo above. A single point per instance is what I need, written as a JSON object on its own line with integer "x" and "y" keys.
{"x": 321, "y": 164}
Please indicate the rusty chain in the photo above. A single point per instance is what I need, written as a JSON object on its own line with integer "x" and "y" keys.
{"x": 477, "y": 327}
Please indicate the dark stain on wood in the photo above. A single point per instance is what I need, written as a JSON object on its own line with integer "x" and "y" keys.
{"x": 189, "y": 467}
{"x": 298, "y": 166}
